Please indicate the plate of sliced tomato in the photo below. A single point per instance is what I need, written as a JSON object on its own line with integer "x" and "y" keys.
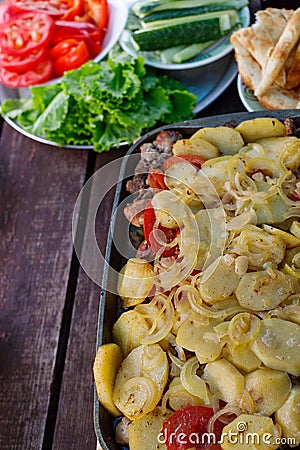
{"x": 42, "y": 39}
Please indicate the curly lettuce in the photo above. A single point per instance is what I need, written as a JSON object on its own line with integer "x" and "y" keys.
{"x": 102, "y": 104}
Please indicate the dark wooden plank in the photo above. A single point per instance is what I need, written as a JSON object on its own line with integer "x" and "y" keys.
{"x": 39, "y": 185}
{"x": 74, "y": 426}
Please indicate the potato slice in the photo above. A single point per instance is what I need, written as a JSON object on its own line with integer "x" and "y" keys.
{"x": 195, "y": 146}
{"x": 229, "y": 390}
{"x": 140, "y": 381}
{"x": 288, "y": 417}
{"x": 218, "y": 281}
{"x": 269, "y": 389}
{"x": 145, "y": 433}
{"x": 135, "y": 281}
{"x": 251, "y": 432}
{"x": 191, "y": 334}
{"x": 277, "y": 345}
{"x": 260, "y": 291}
{"x": 228, "y": 140}
{"x": 259, "y": 128}
{"x": 275, "y": 147}
{"x": 107, "y": 362}
{"x": 241, "y": 357}
{"x": 129, "y": 330}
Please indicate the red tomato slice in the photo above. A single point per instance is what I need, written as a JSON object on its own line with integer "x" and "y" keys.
{"x": 156, "y": 179}
{"x": 26, "y": 33}
{"x": 98, "y": 10}
{"x": 170, "y": 233}
{"x": 62, "y": 48}
{"x": 41, "y": 74}
{"x": 294, "y": 196}
{"x": 54, "y": 8}
{"x": 75, "y": 9}
{"x": 21, "y": 64}
{"x": 7, "y": 11}
{"x": 73, "y": 55}
{"x": 186, "y": 426}
{"x": 193, "y": 159}
{"x": 81, "y": 31}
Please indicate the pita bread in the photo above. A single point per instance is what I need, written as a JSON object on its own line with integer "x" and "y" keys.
{"x": 274, "y": 21}
{"x": 253, "y": 49}
{"x": 293, "y": 75}
{"x": 280, "y": 53}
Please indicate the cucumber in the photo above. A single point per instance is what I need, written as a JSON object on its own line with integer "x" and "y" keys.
{"x": 182, "y": 12}
{"x": 143, "y": 8}
{"x": 190, "y": 51}
{"x": 181, "y": 34}
{"x": 167, "y": 55}
{"x": 231, "y": 13}
{"x": 185, "y": 31}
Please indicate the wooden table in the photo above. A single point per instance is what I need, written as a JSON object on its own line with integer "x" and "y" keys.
{"x": 48, "y": 305}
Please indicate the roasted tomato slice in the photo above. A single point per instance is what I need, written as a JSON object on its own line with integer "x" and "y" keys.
{"x": 69, "y": 54}
{"x": 26, "y": 33}
{"x": 21, "y": 64}
{"x": 156, "y": 179}
{"x": 54, "y": 8}
{"x": 193, "y": 159}
{"x": 40, "y": 74}
{"x": 188, "y": 428}
{"x": 168, "y": 233}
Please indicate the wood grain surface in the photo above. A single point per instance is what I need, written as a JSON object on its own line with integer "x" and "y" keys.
{"x": 38, "y": 188}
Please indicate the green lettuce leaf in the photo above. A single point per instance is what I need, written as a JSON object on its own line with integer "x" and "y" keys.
{"x": 102, "y": 104}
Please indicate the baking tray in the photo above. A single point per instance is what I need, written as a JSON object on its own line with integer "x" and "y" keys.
{"x": 109, "y": 308}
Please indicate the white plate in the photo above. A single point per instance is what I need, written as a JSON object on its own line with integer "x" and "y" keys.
{"x": 209, "y": 56}
{"x": 248, "y": 98}
{"x": 207, "y": 87}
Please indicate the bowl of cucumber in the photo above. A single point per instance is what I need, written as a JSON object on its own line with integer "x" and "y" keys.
{"x": 180, "y": 35}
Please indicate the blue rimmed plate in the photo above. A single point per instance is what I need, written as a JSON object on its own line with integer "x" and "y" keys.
{"x": 249, "y": 100}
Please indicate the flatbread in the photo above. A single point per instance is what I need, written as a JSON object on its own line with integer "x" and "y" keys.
{"x": 251, "y": 73}
{"x": 253, "y": 49}
{"x": 293, "y": 75}
{"x": 288, "y": 39}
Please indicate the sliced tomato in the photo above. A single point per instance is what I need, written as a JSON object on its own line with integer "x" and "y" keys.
{"x": 81, "y": 31}
{"x": 156, "y": 179}
{"x": 186, "y": 429}
{"x": 7, "y": 11}
{"x": 41, "y": 74}
{"x": 21, "y": 64}
{"x": 294, "y": 196}
{"x": 71, "y": 55}
{"x": 98, "y": 10}
{"x": 169, "y": 233}
{"x": 193, "y": 159}
{"x": 25, "y": 33}
{"x": 62, "y": 48}
{"x": 75, "y": 8}
{"x": 54, "y": 8}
